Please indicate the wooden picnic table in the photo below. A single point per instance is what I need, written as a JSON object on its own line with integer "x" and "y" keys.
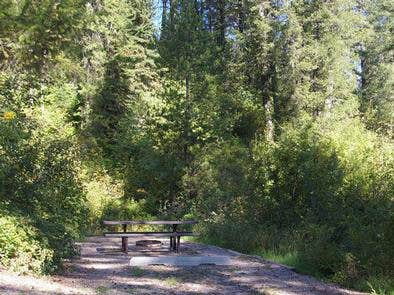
{"x": 174, "y": 234}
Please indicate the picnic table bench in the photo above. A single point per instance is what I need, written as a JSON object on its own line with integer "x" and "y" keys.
{"x": 174, "y": 234}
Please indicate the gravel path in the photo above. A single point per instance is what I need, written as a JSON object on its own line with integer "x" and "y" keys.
{"x": 102, "y": 269}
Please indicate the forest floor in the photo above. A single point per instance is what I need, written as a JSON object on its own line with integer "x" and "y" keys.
{"x": 102, "y": 269}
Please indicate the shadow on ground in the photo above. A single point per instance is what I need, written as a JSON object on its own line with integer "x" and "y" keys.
{"x": 108, "y": 272}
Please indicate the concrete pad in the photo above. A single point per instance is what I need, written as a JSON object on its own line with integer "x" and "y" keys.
{"x": 180, "y": 260}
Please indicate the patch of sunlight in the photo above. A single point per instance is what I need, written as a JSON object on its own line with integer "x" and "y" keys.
{"x": 288, "y": 258}
{"x": 172, "y": 282}
{"x": 28, "y": 284}
{"x": 102, "y": 290}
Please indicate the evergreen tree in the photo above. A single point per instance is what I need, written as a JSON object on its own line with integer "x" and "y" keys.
{"x": 123, "y": 62}
{"x": 259, "y": 56}
{"x": 376, "y": 70}
{"x": 319, "y": 39}
{"x": 183, "y": 50}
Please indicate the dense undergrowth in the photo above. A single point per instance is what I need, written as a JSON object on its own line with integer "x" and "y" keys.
{"x": 319, "y": 200}
{"x": 41, "y": 199}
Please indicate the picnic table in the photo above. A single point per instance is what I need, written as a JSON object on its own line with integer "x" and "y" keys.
{"x": 174, "y": 234}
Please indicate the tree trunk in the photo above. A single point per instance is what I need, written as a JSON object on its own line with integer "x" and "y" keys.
{"x": 221, "y": 23}
{"x": 164, "y": 14}
{"x": 329, "y": 103}
{"x": 241, "y": 16}
{"x": 267, "y": 80}
{"x": 186, "y": 122}
{"x": 269, "y": 125}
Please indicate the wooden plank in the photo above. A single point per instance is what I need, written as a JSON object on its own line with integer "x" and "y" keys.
{"x": 148, "y": 232}
{"x": 152, "y": 234}
{"x": 157, "y": 222}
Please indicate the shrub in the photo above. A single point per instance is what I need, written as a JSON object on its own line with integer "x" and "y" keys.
{"x": 324, "y": 192}
{"x": 105, "y": 198}
{"x": 218, "y": 182}
{"x": 333, "y": 185}
{"x": 38, "y": 181}
{"x": 20, "y": 247}
{"x": 124, "y": 209}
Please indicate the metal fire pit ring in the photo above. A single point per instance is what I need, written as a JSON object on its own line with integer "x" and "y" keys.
{"x": 150, "y": 244}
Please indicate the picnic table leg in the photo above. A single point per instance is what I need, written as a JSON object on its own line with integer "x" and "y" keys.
{"x": 125, "y": 244}
{"x": 125, "y": 240}
{"x": 178, "y": 243}
{"x": 174, "y": 228}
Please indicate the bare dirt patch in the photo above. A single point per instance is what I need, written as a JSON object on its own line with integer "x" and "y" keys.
{"x": 102, "y": 269}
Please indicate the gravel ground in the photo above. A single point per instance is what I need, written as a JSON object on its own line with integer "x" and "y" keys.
{"x": 103, "y": 269}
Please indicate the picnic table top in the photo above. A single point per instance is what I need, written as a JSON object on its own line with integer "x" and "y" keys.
{"x": 157, "y": 222}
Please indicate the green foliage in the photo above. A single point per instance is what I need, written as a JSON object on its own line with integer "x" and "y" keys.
{"x": 39, "y": 181}
{"x": 219, "y": 182}
{"x": 376, "y": 63}
{"x": 125, "y": 66}
{"x": 326, "y": 193}
{"x": 137, "y": 272}
{"x": 21, "y": 248}
{"x": 37, "y": 31}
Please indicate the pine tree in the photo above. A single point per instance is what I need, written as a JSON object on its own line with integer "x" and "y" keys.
{"x": 121, "y": 59}
{"x": 259, "y": 56}
{"x": 376, "y": 71}
{"x": 319, "y": 39}
{"x": 183, "y": 50}
{"x": 41, "y": 29}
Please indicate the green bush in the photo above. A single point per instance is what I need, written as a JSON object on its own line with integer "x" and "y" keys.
{"x": 325, "y": 193}
{"x": 105, "y": 198}
{"x": 20, "y": 247}
{"x": 123, "y": 209}
{"x": 219, "y": 184}
{"x": 39, "y": 182}
{"x": 333, "y": 186}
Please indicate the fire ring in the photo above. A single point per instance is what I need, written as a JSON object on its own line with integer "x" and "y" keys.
{"x": 148, "y": 244}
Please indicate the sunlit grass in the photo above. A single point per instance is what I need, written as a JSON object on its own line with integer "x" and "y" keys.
{"x": 373, "y": 285}
{"x": 172, "y": 282}
{"x": 378, "y": 285}
{"x": 287, "y": 258}
{"x": 292, "y": 259}
{"x": 190, "y": 239}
